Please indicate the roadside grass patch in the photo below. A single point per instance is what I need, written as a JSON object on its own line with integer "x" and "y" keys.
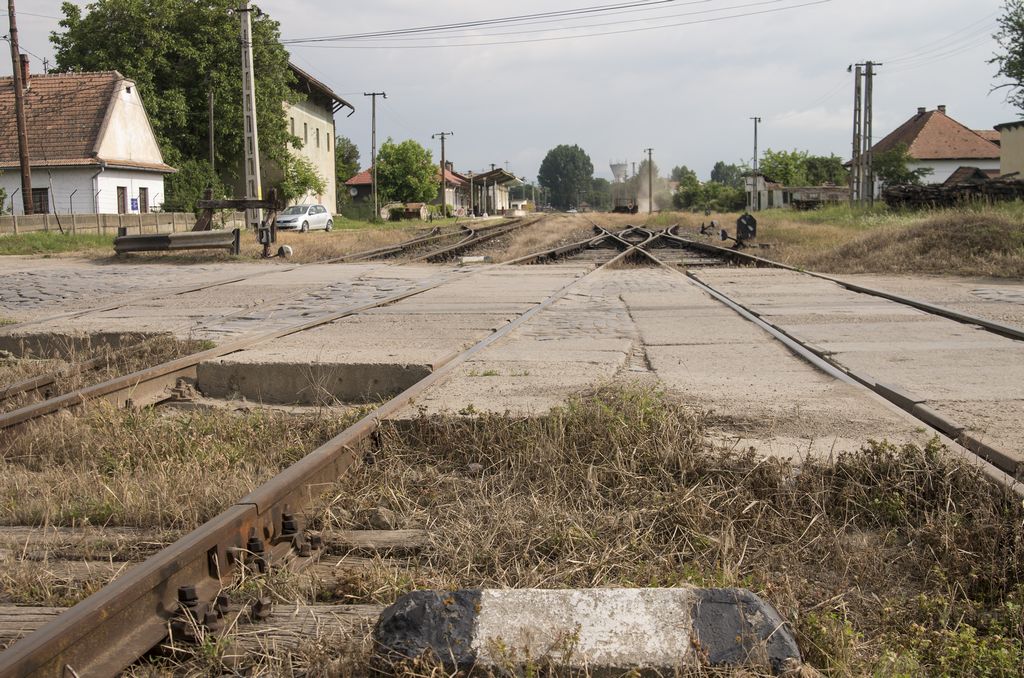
{"x": 50, "y": 242}
{"x": 892, "y": 561}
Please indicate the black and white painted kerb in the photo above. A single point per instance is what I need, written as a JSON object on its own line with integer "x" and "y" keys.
{"x": 602, "y": 630}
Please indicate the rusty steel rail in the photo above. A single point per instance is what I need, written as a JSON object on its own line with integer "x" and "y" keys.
{"x": 997, "y": 465}
{"x": 476, "y": 237}
{"x": 737, "y": 256}
{"x": 143, "y": 385}
{"x": 114, "y": 627}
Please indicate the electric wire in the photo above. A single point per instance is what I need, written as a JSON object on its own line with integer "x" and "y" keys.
{"x": 709, "y": 20}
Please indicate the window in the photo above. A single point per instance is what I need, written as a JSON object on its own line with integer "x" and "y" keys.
{"x": 122, "y": 199}
{"x": 305, "y": 133}
{"x": 328, "y": 141}
{"x": 41, "y": 200}
{"x": 318, "y": 137}
{"x": 144, "y": 200}
{"x": 291, "y": 123}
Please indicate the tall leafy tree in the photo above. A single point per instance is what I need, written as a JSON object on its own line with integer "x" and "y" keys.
{"x": 177, "y": 51}
{"x": 685, "y": 176}
{"x": 567, "y": 173}
{"x": 1010, "y": 59}
{"x": 785, "y": 167}
{"x": 406, "y": 172}
{"x": 822, "y": 169}
{"x": 728, "y": 175}
{"x": 346, "y": 166}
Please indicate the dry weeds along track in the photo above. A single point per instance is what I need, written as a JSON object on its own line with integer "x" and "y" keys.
{"x": 123, "y": 621}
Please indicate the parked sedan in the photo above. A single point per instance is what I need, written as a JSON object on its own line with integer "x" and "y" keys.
{"x": 305, "y": 217}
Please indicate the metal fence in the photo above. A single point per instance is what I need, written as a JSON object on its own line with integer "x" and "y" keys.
{"x": 108, "y": 224}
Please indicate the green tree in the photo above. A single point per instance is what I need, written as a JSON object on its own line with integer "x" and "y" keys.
{"x": 821, "y": 170}
{"x": 346, "y": 166}
{"x": 189, "y": 185}
{"x": 299, "y": 178}
{"x": 712, "y": 195}
{"x": 600, "y": 197}
{"x": 685, "y": 176}
{"x": 406, "y": 172}
{"x": 177, "y": 51}
{"x": 728, "y": 175}
{"x": 893, "y": 167}
{"x": 566, "y": 173}
{"x": 786, "y": 167}
{"x": 1010, "y": 59}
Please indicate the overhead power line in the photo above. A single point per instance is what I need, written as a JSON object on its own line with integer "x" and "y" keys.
{"x": 488, "y": 22}
{"x": 584, "y": 35}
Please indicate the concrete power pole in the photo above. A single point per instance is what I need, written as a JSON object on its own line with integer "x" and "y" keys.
{"x": 856, "y": 182}
{"x": 373, "y": 148}
{"x": 444, "y": 167}
{"x": 19, "y": 112}
{"x": 869, "y": 170}
{"x": 650, "y": 180}
{"x": 253, "y": 186}
{"x": 755, "y": 195}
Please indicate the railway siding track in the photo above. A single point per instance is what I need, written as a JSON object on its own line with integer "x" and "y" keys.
{"x": 111, "y": 629}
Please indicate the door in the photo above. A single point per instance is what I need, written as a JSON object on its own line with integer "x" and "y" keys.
{"x": 144, "y": 200}
{"x": 122, "y": 199}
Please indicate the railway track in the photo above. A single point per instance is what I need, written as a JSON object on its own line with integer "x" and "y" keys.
{"x": 47, "y": 384}
{"x": 179, "y": 587}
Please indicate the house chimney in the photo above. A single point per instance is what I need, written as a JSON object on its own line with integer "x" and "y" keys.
{"x": 921, "y": 110}
{"x": 24, "y": 72}
{"x": 942, "y": 109}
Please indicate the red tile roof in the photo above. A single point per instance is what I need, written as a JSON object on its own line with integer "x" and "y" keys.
{"x": 365, "y": 178}
{"x": 65, "y": 114}
{"x": 933, "y": 135}
{"x": 989, "y": 134}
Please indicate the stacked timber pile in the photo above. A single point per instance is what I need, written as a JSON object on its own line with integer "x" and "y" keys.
{"x": 937, "y": 196}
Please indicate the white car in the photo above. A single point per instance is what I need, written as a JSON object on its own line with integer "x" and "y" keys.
{"x": 305, "y": 218}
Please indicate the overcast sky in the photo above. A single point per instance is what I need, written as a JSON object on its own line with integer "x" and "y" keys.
{"x": 688, "y": 91}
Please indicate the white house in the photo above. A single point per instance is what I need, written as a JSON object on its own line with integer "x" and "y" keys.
{"x": 91, "y": 145}
{"x": 937, "y": 142}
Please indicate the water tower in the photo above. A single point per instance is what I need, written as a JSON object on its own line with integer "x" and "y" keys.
{"x": 619, "y": 171}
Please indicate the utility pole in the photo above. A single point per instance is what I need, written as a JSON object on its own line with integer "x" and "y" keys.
{"x": 444, "y": 168}
{"x": 862, "y": 174}
{"x": 650, "y": 180}
{"x": 19, "y": 113}
{"x": 869, "y": 170}
{"x": 755, "y": 195}
{"x": 855, "y": 163}
{"x": 253, "y": 186}
{"x": 373, "y": 148}
{"x": 213, "y": 148}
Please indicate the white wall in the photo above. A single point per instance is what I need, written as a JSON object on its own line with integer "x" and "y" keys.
{"x": 315, "y": 118}
{"x": 127, "y": 134}
{"x": 943, "y": 169}
{"x": 132, "y": 180}
{"x": 61, "y": 182}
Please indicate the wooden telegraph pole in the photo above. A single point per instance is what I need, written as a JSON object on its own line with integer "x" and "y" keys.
{"x": 19, "y": 112}
{"x": 373, "y": 148}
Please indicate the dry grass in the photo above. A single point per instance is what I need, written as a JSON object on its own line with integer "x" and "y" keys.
{"x": 984, "y": 241}
{"x": 895, "y": 557}
{"x": 141, "y": 352}
{"x": 142, "y": 469}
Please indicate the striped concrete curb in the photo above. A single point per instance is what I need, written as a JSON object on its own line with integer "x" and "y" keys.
{"x": 601, "y": 630}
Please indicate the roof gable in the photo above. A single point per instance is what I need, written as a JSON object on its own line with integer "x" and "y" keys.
{"x": 69, "y": 115}
{"x": 933, "y": 135}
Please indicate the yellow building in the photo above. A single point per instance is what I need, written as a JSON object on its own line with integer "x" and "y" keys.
{"x": 1011, "y": 135}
